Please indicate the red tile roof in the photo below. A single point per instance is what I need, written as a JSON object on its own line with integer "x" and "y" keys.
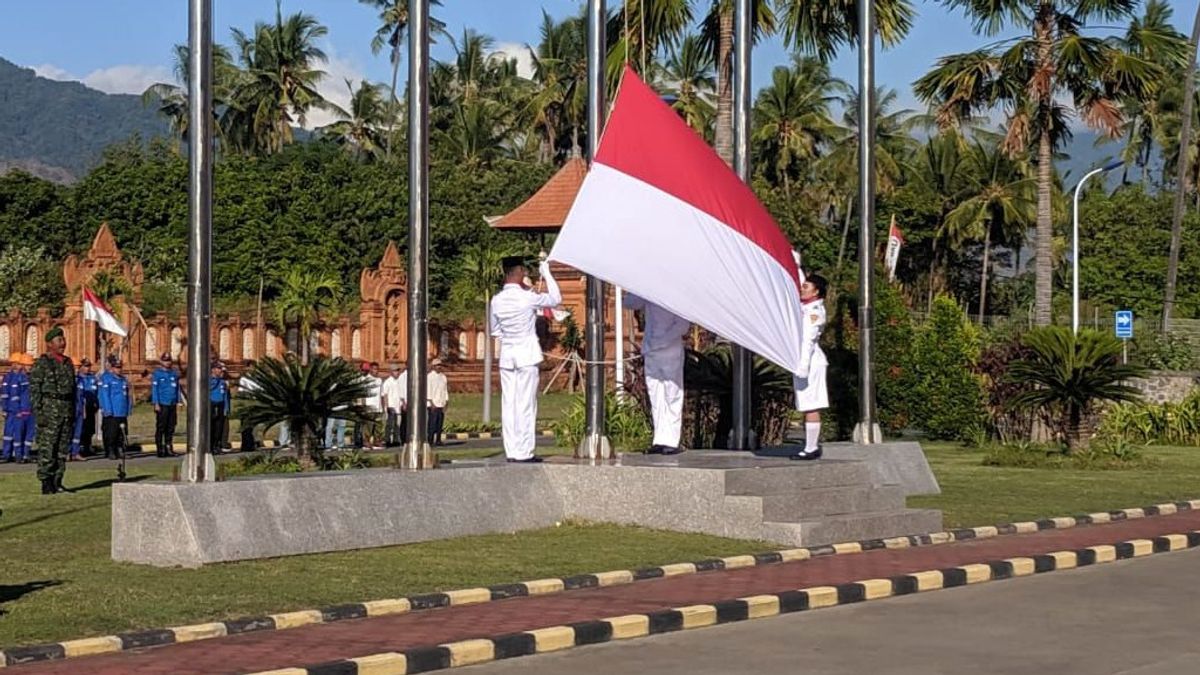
{"x": 547, "y": 209}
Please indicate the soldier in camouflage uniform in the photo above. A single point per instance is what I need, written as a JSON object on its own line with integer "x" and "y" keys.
{"x": 52, "y": 384}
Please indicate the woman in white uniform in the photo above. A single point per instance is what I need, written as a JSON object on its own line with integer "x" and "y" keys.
{"x": 811, "y": 394}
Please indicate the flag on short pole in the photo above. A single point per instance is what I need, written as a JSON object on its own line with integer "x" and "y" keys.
{"x": 892, "y": 256}
{"x": 94, "y": 309}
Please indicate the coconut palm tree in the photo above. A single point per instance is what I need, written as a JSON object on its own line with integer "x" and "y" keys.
{"x": 360, "y": 129}
{"x": 689, "y": 72}
{"x": 170, "y": 99}
{"x": 792, "y": 118}
{"x": 640, "y": 30}
{"x": 821, "y": 27}
{"x": 716, "y": 31}
{"x": 1031, "y": 78}
{"x": 558, "y": 107}
{"x": 1181, "y": 188}
{"x": 304, "y": 296}
{"x": 393, "y": 27}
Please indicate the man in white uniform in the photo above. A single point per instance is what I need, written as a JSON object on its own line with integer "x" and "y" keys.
{"x": 662, "y": 359}
{"x": 811, "y": 394}
{"x": 394, "y": 397}
{"x": 514, "y": 312}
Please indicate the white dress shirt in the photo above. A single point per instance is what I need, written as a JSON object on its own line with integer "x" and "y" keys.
{"x": 393, "y": 392}
{"x": 514, "y": 312}
{"x": 438, "y": 390}
{"x": 374, "y": 399}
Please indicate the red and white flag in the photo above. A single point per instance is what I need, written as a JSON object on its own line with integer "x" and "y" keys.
{"x": 892, "y": 255}
{"x": 662, "y": 216}
{"x": 95, "y": 310}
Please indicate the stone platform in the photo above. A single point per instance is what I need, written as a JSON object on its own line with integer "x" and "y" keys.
{"x": 713, "y": 492}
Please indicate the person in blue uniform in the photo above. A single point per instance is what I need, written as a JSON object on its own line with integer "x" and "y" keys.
{"x": 219, "y": 405}
{"x": 164, "y": 394}
{"x": 17, "y": 402}
{"x": 116, "y": 402}
{"x": 87, "y": 386}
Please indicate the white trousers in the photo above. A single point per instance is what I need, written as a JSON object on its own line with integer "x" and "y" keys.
{"x": 518, "y": 410}
{"x": 664, "y": 384}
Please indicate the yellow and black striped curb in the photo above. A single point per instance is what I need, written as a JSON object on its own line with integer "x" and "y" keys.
{"x": 165, "y": 636}
{"x": 556, "y": 638}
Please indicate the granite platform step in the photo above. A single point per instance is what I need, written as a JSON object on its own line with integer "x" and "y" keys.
{"x": 792, "y": 477}
{"x": 832, "y": 501}
{"x": 854, "y": 527}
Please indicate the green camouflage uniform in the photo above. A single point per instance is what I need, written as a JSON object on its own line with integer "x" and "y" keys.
{"x": 52, "y": 386}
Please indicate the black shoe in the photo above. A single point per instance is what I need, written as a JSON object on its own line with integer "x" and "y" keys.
{"x": 670, "y": 451}
{"x": 532, "y": 460}
{"x": 656, "y": 450}
{"x": 46, "y": 488}
{"x": 805, "y": 455}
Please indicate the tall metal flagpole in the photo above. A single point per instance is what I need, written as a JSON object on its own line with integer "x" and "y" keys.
{"x": 867, "y": 431}
{"x": 741, "y": 435}
{"x": 595, "y": 444}
{"x": 416, "y": 448}
{"x": 199, "y": 292}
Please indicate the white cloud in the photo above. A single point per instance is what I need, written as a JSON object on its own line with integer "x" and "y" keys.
{"x": 333, "y": 87}
{"x": 119, "y": 79}
{"x": 520, "y": 52}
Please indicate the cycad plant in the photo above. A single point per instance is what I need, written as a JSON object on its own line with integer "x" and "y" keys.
{"x": 1069, "y": 375}
{"x": 303, "y": 396}
{"x": 708, "y": 377}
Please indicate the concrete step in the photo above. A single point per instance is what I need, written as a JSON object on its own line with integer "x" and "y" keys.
{"x": 792, "y": 477}
{"x": 831, "y": 501}
{"x": 854, "y": 527}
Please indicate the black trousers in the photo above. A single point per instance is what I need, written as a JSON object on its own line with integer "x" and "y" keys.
{"x": 216, "y": 428}
{"x": 437, "y": 419}
{"x": 89, "y": 429}
{"x": 391, "y": 429}
{"x": 112, "y": 430}
{"x": 248, "y": 442}
{"x": 165, "y": 419}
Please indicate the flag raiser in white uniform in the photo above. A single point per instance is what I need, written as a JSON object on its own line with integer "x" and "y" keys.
{"x": 662, "y": 360}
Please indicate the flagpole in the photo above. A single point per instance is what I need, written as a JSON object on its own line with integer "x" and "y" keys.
{"x": 595, "y": 444}
{"x": 200, "y": 142}
{"x": 741, "y": 435}
{"x": 867, "y": 431}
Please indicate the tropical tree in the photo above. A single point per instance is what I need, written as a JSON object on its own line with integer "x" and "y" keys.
{"x": 999, "y": 202}
{"x": 360, "y": 129}
{"x": 480, "y": 274}
{"x": 1031, "y": 77}
{"x": 640, "y": 30}
{"x": 1185, "y": 145}
{"x": 302, "y": 396}
{"x": 792, "y": 118}
{"x": 305, "y": 295}
{"x": 821, "y": 27}
{"x": 716, "y": 32}
{"x": 559, "y": 106}
{"x": 688, "y": 72}
{"x": 171, "y": 99}
{"x": 1066, "y": 375}
{"x": 280, "y": 83}
{"x": 393, "y": 27}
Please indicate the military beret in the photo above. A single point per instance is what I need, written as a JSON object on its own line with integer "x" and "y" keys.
{"x": 57, "y": 331}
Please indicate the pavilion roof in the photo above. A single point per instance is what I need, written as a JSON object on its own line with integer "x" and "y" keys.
{"x": 547, "y": 209}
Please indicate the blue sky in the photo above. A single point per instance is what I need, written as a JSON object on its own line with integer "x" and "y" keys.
{"x": 124, "y": 51}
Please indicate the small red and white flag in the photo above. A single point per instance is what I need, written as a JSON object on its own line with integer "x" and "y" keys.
{"x": 94, "y": 309}
{"x": 662, "y": 216}
{"x": 892, "y": 255}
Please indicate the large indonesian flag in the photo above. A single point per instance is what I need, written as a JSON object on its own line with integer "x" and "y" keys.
{"x": 95, "y": 310}
{"x": 661, "y": 215}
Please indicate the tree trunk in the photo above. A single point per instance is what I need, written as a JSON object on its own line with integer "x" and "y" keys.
{"x": 1044, "y": 246}
{"x": 983, "y": 276}
{"x": 723, "y": 134}
{"x": 932, "y": 277}
{"x": 387, "y": 153}
{"x": 845, "y": 235}
{"x": 1079, "y": 429}
{"x": 1185, "y": 139}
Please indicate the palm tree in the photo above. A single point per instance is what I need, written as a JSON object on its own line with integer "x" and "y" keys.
{"x": 280, "y": 84}
{"x": 1029, "y": 77}
{"x": 689, "y": 72}
{"x": 1185, "y": 144}
{"x": 640, "y": 30}
{"x": 393, "y": 26}
{"x": 360, "y": 128}
{"x": 1068, "y": 375}
{"x": 560, "y": 70}
{"x": 480, "y": 274}
{"x": 940, "y": 168}
{"x": 302, "y": 396}
{"x": 999, "y": 200}
{"x": 821, "y": 27}
{"x": 716, "y": 31}
{"x": 305, "y": 295}
{"x": 792, "y": 113}
{"x": 171, "y": 100}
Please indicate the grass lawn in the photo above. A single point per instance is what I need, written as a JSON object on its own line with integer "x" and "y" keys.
{"x": 57, "y": 581}
{"x": 973, "y": 494}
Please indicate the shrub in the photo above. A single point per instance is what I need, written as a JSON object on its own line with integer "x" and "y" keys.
{"x": 626, "y": 426}
{"x": 1067, "y": 375}
{"x": 708, "y": 386}
{"x": 1006, "y": 422}
{"x": 1116, "y": 456}
{"x": 1163, "y": 423}
{"x": 947, "y": 396}
{"x": 1164, "y": 351}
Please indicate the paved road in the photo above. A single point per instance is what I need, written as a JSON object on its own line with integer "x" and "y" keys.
{"x": 1131, "y": 617}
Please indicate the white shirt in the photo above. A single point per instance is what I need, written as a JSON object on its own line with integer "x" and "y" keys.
{"x": 394, "y": 393}
{"x": 373, "y": 401}
{"x": 438, "y": 390}
{"x": 664, "y": 330}
{"x": 810, "y": 336}
{"x": 514, "y": 312}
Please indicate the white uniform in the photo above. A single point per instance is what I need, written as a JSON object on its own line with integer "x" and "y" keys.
{"x": 514, "y": 311}
{"x": 662, "y": 356}
{"x": 811, "y": 393}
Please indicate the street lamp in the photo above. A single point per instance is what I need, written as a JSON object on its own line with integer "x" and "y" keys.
{"x": 1075, "y": 243}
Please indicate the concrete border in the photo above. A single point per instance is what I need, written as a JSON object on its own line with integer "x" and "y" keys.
{"x": 53, "y": 651}
{"x": 557, "y": 638}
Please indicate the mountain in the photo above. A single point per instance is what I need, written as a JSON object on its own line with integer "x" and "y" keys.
{"x": 58, "y": 130}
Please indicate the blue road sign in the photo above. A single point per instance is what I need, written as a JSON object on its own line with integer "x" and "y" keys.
{"x": 1124, "y": 324}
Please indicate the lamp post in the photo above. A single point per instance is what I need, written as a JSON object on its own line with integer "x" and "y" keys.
{"x": 1075, "y": 242}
